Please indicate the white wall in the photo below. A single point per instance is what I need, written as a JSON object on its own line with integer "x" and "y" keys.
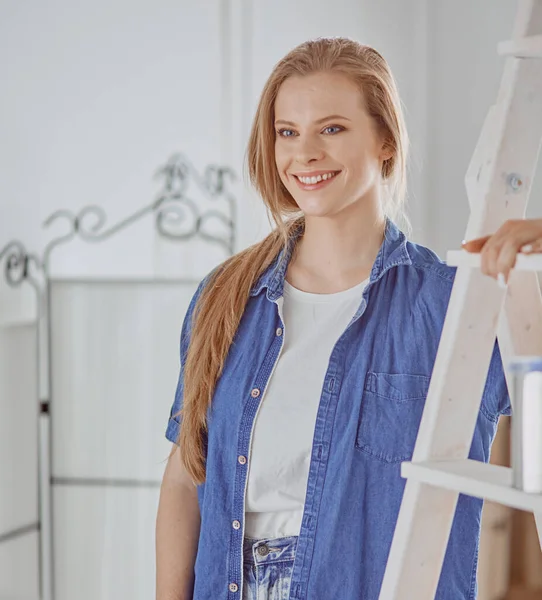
{"x": 18, "y": 462}
{"x": 96, "y": 96}
{"x": 464, "y": 74}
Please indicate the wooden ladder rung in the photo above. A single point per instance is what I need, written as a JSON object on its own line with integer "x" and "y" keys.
{"x": 462, "y": 258}
{"x": 527, "y": 47}
{"x": 473, "y": 478}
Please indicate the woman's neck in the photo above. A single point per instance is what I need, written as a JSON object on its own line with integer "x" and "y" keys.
{"x": 336, "y": 253}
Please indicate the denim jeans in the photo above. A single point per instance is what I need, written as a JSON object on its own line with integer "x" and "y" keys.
{"x": 267, "y": 570}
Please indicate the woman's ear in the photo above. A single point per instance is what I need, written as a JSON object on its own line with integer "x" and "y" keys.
{"x": 386, "y": 151}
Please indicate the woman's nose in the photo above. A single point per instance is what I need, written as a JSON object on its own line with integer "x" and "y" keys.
{"x": 309, "y": 150}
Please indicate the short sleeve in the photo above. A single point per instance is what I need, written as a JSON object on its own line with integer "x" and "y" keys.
{"x": 174, "y": 422}
{"x": 496, "y": 399}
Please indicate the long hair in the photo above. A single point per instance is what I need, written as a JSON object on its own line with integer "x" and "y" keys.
{"x": 224, "y": 297}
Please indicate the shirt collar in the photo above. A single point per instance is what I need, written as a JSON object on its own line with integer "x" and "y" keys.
{"x": 393, "y": 252}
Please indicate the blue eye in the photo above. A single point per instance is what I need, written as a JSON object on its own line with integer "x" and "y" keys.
{"x": 286, "y": 132}
{"x": 335, "y": 127}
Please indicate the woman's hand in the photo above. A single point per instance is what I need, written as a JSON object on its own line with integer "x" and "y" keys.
{"x": 499, "y": 251}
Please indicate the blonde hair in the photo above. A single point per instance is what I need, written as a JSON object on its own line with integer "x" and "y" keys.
{"x": 222, "y": 302}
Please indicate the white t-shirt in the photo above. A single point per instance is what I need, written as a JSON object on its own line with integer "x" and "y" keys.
{"x": 284, "y": 428}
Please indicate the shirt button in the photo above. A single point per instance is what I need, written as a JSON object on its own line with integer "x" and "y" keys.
{"x": 255, "y": 393}
{"x": 236, "y": 525}
{"x": 279, "y": 331}
{"x": 242, "y": 460}
{"x": 233, "y": 587}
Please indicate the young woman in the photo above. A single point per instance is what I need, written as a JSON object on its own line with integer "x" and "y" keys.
{"x": 305, "y": 360}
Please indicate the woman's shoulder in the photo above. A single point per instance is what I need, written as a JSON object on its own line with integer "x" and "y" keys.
{"x": 429, "y": 263}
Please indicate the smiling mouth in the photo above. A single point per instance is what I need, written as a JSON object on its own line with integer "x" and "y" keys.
{"x": 315, "y": 179}
{"x": 311, "y": 183}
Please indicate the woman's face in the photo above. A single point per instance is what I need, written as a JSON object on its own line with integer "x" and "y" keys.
{"x": 327, "y": 150}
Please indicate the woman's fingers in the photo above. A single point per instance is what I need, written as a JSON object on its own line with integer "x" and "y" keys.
{"x": 506, "y": 260}
{"x": 490, "y": 259}
{"x": 533, "y": 248}
{"x": 475, "y": 245}
{"x": 499, "y": 251}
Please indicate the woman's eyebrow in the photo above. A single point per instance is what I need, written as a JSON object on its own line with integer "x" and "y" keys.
{"x": 328, "y": 118}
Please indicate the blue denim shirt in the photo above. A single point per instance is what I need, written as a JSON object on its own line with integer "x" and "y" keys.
{"x": 370, "y": 409}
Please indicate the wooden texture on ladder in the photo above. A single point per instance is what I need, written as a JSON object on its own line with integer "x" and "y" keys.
{"x": 498, "y": 183}
{"x": 495, "y": 558}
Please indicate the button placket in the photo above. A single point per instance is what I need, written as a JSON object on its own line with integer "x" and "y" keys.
{"x": 242, "y": 459}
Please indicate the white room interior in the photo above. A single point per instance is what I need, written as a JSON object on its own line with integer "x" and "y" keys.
{"x": 96, "y": 97}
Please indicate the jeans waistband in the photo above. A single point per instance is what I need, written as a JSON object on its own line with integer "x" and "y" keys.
{"x": 269, "y": 550}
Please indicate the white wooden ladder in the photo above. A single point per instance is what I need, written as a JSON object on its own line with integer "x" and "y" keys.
{"x": 498, "y": 182}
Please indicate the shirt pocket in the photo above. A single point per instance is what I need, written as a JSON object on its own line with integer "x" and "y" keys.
{"x": 390, "y": 414}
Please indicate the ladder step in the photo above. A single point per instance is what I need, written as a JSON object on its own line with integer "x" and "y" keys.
{"x": 527, "y": 47}
{"x": 462, "y": 258}
{"x": 473, "y": 478}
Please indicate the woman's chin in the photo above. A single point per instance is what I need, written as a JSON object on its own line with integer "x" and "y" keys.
{"x": 318, "y": 209}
